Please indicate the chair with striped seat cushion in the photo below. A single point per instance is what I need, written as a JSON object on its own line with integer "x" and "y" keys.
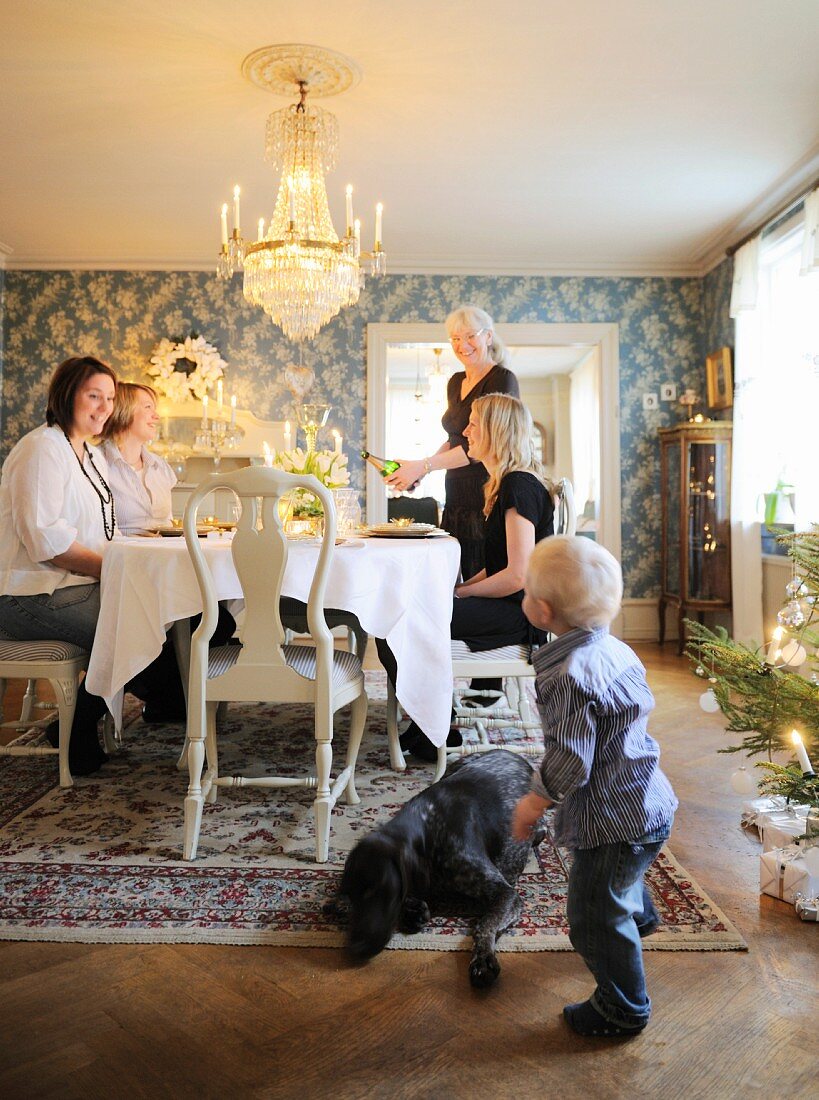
{"x": 61, "y": 664}
{"x": 512, "y": 664}
{"x": 262, "y": 668}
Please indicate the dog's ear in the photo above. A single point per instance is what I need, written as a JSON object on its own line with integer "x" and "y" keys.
{"x": 414, "y": 874}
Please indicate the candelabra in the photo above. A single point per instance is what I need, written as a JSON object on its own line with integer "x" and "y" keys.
{"x": 216, "y": 436}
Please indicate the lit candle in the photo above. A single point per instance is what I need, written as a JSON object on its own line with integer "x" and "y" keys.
{"x": 358, "y": 234}
{"x": 287, "y": 436}
{"x": 233, "y": 408}
{"x": 220, "y": 393}
{"x": 205, "y": 411}
{"x": 774, "y": 647}
{"x": 801, "y": 753}
{"x": 224, "y": 223}
{"x": 379, "y": 210}
{"x": 260, "y": 234}
{"x": 337, "y": 440}
{"x": 349, "y": 209}
{"x": 236, "y": 222}
{"x": 268, "y": 457}
{"x": 291, "y": 199}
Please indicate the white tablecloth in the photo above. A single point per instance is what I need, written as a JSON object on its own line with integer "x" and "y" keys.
{"x": 400, "y": 589}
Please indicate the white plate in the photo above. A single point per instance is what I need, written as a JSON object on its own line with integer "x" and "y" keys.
{"x": 403, "y": 528}
{"x": 406, "y": 533}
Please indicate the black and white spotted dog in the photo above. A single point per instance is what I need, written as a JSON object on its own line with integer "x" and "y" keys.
{"x": 452, "y": 839}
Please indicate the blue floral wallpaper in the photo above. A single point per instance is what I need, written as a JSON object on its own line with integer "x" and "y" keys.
{"x": 665, "y": 326}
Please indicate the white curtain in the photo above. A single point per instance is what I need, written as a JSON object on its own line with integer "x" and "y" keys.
{"x": 810, "y": 242}
{"x": 746, "y": 278}
{"x": 584, "y": 415}
{"x": 747, "y": 471}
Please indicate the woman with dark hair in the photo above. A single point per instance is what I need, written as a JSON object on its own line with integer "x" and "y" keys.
{"x": 483, "y": 356}
{"x": 56, "y": 518}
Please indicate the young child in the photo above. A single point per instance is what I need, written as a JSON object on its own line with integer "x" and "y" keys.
{"x": 615, "y": 806}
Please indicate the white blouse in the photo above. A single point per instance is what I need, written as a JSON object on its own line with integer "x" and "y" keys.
{"x": 47, "y": 504}
{"x": 142, "y": 497}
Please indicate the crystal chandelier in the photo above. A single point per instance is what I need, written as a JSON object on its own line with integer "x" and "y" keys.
{"x": 297, "y": 269}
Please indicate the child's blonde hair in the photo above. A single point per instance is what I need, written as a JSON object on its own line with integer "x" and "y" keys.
{"x": 578, "y": 578}
{"x": 507, "y": 427}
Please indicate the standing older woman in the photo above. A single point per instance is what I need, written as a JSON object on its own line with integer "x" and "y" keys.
{"x": 56, "y": 518}
{"x": 518, "y": 511}
{"x": 476, "y": 345}
{"x": 141, "y": 481}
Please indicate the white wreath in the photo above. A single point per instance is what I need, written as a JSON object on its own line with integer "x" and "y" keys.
{"x": 177, "y": 385}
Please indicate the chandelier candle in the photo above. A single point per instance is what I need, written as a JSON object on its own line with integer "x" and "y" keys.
{"x": 288, "y": 437}
{"x": 349, "y": 194}
{"x": 224, "y": 225}
{"x": 236, "y": 222}
{"x": 205, "y": 411}
{"x": 385, "y": 466}
{"x": 233, "y": 408}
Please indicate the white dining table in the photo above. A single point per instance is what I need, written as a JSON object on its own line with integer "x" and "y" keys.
{"x": 399, "y": 588}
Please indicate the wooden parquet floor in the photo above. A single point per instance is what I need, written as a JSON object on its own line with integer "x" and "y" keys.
{"x": 111, "y": 1021}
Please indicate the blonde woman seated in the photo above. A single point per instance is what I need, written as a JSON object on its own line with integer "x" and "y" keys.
{"x": 141, "y": 481}
{"x": 518, "y": 512}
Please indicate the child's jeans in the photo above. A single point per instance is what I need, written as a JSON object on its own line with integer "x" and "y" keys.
{"x": 608, "y": 907}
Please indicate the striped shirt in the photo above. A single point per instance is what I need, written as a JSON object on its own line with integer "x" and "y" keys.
{"x": 601, "y": 766}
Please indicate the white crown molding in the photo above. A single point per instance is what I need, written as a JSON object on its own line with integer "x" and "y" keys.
{"x": 416, "y": 266}
{"x": 784, "y": 190}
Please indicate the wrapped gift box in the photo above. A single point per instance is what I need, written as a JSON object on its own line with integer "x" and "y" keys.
{"x": 779, "y": 828}
{"x": 753, "y": 808}
{"x": 783, "y": 873}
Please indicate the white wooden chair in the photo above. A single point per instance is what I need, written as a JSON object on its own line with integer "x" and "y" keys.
{"x": 61, "y": 664}
{"x": 263, "y": 668}
{"x": 512, "y": 664}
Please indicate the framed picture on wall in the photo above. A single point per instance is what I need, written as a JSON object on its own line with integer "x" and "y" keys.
{"x": 719, "y": 380}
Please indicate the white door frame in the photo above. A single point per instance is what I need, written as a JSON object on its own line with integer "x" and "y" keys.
{"x": 605, "y": 336}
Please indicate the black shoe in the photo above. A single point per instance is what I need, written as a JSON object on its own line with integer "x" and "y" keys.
{"x": 156, "y": 714}
{"x": 481, "y": 700}
{"x": 584, "y": 1019}
{"x": 87, "y": 763}
{"x": 648, "y": 929}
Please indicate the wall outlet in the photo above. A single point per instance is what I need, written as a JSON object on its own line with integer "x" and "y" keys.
{"x": 668, "y": 391}
{"x": 650, "y": 402}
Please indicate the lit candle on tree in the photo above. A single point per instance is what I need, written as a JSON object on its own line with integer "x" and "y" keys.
{"x": 774, "y": 648}
{"x": 801, "y": 753}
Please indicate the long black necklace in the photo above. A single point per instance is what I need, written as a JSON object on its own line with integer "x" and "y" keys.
{"x": 106, "y": 498}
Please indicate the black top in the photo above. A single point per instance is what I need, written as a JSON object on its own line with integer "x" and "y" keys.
{"x": 532, "y": 500}
{"x": 454, "y": 421}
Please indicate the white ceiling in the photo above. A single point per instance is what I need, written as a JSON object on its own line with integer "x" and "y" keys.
{"x": 553, "y": 136}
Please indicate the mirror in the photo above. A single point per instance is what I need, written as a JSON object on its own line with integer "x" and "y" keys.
{"x": 568, "y": 375}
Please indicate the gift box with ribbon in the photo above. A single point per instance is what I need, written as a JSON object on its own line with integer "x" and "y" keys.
{"x": 787, "y": 872}
{"x": 779, "y": 828}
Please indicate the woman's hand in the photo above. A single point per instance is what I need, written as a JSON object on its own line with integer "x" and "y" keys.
{"x": 79, "y": 559}
{"x": 526, "y": 815}
{"x": 407, "y": 474}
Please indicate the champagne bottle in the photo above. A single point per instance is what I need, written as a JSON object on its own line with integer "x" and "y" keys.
{"x": 385, "y": 466}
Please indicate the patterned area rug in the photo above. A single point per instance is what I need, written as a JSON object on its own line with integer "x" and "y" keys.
{"x": 101, "y": 862}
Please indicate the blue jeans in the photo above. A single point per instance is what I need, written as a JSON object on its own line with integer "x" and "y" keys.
{"x": 607, "y": 907}
{"x": 65, "y": 615}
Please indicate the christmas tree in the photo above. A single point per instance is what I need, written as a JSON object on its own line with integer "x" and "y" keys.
{"x": 770, "y": 695}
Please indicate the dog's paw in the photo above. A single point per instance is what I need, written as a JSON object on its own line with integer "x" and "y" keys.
{"x": 483, "y": 971}
{"x": 414, "y": 916}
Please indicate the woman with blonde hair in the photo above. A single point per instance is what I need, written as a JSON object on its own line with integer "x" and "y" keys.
{"x": 518, "y": 511}
{"x": 482, "y": 354}
{"x": 141, "y": 481}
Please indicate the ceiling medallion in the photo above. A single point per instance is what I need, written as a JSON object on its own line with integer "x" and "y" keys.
{"x": 297, "y": 269}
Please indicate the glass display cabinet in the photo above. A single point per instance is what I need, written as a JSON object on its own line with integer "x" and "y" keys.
{"x": 696, "y": 530}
